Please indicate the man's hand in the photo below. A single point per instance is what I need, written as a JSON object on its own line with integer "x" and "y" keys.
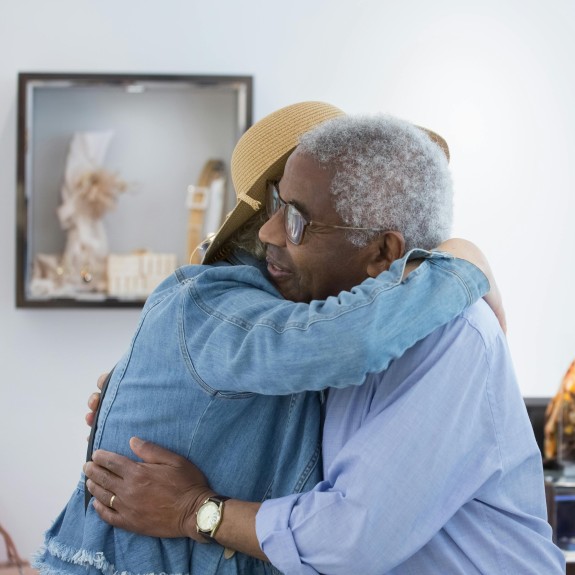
{"x": 158, "y": 497}
{"x": 94, "y": 401}
{"x": 468, "y": 251}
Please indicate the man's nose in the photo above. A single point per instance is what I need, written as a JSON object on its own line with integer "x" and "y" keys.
{"x": 273, "y": 231}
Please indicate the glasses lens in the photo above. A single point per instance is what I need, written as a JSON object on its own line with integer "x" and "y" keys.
{"x": 273, "y": 202}
{"x": 294, "y": 224}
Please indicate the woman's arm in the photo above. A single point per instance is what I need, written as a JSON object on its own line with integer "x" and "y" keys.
{"x": 271, "y": 346}
{"x": 467, "y": 250}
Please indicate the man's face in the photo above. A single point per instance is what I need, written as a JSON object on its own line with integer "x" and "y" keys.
{"x": 325, "y": 263}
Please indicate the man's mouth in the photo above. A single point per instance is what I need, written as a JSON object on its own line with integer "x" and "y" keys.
{"x": 275, "y": 270}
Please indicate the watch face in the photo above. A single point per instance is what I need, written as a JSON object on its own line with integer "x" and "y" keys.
{"x": 208, "y": 516}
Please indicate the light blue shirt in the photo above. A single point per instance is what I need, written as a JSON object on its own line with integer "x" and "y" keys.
{"x": 430, "y": 467}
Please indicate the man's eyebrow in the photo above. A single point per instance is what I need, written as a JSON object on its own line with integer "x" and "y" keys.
{"x": 300, "y": 208}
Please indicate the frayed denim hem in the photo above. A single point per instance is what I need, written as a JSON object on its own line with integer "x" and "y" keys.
{"x": 80, "y": 557}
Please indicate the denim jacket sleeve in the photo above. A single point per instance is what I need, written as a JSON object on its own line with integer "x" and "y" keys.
{"x": 251, "y": 340}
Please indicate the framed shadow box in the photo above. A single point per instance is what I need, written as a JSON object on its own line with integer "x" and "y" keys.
{"x": 119, "y": 178}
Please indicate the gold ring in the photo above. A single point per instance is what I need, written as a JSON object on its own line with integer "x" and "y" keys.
{"x": 112, "y": 501}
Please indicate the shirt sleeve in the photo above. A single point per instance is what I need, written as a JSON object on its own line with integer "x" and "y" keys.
{"x": 425, "y": 448}
{"x": 272, "y": 345}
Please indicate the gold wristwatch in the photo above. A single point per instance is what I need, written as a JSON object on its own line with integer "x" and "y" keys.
{"x": 209, "y": 516}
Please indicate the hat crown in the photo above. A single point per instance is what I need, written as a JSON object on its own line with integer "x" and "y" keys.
{"x": 260, "y": 155}
{"x": 271, "y": 140}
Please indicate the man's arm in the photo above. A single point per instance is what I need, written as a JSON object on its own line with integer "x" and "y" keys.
{"x": 424, "y": 450}
{"x": 160, "y": 496}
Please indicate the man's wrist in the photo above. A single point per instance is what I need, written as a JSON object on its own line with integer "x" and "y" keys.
{"x": 238, "y": 528}
{"x": 190, "y": 527}
{"x": 210, "y": 515}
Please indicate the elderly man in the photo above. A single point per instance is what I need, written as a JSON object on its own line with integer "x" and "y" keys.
{"x": 431, "y": 465}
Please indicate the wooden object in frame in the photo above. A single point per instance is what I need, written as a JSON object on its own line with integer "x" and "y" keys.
{"x": 104, "y": 163}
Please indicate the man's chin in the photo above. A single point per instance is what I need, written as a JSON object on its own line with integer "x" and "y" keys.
{"x": 288, "y": 291}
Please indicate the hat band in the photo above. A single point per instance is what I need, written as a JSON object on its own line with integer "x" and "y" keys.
{"x": 254, "y": 204}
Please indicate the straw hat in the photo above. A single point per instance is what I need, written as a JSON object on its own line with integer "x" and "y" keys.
{"x": 260, "y": 155}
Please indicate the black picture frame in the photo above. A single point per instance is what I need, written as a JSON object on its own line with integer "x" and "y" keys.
{"x": 209, "y": 111}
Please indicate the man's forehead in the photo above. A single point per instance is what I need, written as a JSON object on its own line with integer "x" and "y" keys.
{"x": 307, "y": 170}
{"x": 305, "y": 184}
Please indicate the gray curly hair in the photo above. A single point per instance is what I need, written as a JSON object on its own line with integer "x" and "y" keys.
{"x": 387, "y": 174}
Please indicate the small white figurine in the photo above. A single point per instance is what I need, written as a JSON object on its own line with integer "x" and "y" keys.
{"x": 88, "y": 193}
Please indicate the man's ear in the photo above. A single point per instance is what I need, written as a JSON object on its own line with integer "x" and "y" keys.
{"x": 386, "y": 248}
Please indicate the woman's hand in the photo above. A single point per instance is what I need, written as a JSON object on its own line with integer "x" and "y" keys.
{"x": 466, "y": 250}
{"x": 94, "y": 400}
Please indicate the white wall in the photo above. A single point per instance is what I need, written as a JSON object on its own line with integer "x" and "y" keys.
{"x": 495, "y": 77}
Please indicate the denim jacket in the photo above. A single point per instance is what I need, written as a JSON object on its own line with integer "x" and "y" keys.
{"x": 217, "y": 372}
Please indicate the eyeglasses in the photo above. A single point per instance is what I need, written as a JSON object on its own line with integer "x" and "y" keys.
{"x": 294, "y": 221}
